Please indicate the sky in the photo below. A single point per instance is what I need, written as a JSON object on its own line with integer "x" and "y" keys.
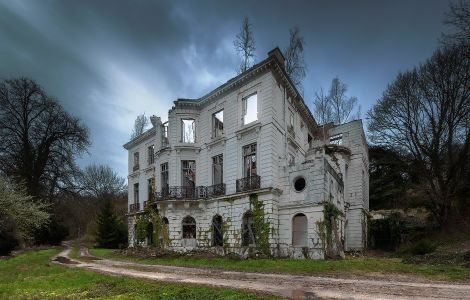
{"x": 108, "y": 61}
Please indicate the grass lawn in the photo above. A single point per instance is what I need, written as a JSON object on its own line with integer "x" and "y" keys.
{"x": 359, "y": 265}
{"x": 31, "y": 276}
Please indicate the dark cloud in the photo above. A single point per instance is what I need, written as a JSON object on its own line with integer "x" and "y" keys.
{"x": 107, "y": 61}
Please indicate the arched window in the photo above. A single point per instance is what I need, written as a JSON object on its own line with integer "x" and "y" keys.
{"x": 299, "y": 230}
{"x": 165, "y": 230}
{"x": 248, "y": 230}
{"x": 217, "y": 234}
{"x": 150, "y": 234}
{"x": 189, "y": 228}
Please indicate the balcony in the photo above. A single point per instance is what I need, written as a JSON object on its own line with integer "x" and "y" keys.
{"x": 190, "y": 193}
{"x": 134, "y": 207}
{"x": 248, "y": 183}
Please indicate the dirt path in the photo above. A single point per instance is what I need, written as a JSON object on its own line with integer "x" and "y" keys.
{"x": 291, "y": 286}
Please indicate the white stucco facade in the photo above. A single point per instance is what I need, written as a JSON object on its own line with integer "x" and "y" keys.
{"x": 266, "y": 144}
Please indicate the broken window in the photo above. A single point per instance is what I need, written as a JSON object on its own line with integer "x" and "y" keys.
{"x": 249, "y": 160}
{"x": 136, "y": 193}
{"x": 165, "y": 235}
{"x": 248, "y": 230}
{"x": 250, "y": 109}
{"x": 299, "y": 230}
{"x": 151, "y": 155}
{"x": 217, "y": 169}
{"x": 136, "y": 161}
{"x": 218, "y": 124}
{"x": 150, "y": 184}
{"x": 291, "y": 160}
{"x": 188, "y": 130}
{"x": 189, "y": 228}
{"x": 291, "y": 120}
{"x": 188, "y": 180}
{"x": 164, "y": 178}
{"x": 165, "y": 135}
{"x": 217, "y": 234}
{"x": 336, "y": 139}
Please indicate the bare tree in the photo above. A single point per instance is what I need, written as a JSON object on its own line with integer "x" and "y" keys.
{"x": 342, "y": 106}
{"x": 38, "y": 139}
{"x": 100, "y": 180}
{"x": 459, "y": 18}
{"x": 426, "y": 113}
{"x": 141, "y": 122}
{"x": 294, "y": 55}
{"x": 245, "y": 45}
{"x": 322, "y": 108}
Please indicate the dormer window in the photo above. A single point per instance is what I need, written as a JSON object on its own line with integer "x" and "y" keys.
{"x": 218, "y": 124}
{"x": 188, "y": 131}
{"x": 250, "y": 109}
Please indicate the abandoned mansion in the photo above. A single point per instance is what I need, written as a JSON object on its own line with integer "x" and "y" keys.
{"x": 246, "y": 169}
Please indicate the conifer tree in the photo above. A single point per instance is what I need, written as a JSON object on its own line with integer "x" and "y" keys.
{"x": 111, "y": 232}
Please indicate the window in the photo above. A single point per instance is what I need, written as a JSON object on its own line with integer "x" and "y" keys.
{"x": 217, "y": 169}
{"x": 165, "y": 234}
{"x": 150, "y": 184}
{"x": 248, "y": 230}
{"x": 188, "y": 131}
{"x": 136, "y": 161}
{"x": 151, "y": 154}
{"x": 164, "y": 177}
{"x": 188, "y": 178}
{"x": 136, "y": 193}
{"x": 336, "y": 139}
{"x": 291, "y": 161}
{"x": 299, "y": 184}
{"x": 250, "y": 109}
{"x": 165, "y": 135}
{"x": 291, "y": 120}
{"x": 299, "y": 230}
{"x": 217, "y": 234}
{"x": 218, "y": 124}
{"x": 249, "y": 160}
{"x": 189, "y": 228}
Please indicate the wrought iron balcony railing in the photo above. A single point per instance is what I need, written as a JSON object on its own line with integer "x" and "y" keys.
{"x": 188, "y": 192}
{"x": 134, "y": 207}
{"x": 248, "y": 183}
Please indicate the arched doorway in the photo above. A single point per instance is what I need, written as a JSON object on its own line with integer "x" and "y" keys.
{"x": 299, "y": 230}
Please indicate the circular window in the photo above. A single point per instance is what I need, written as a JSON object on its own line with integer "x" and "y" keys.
{"x": 299, "y": 184}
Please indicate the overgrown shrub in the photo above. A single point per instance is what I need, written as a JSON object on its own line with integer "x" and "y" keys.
{"x": 8, "y": 234}
{"x": 52, "y": 233}
{"x": 422, "y": 247}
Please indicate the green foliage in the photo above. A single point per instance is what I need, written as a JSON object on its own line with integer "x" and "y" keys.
{"x": 20, "y": 215}
{"x": 262, "y": 226}
{"x": 112, "y": 231}
{"x": 161, "y": 236}
{"x": 422, "y": 247}
{"x": 52, "y": 233}
{"x": 325, "y": 227}
{"x": 31, "y": 276}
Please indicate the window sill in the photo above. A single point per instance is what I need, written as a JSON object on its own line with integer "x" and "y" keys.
{"x": 248, "y": 128}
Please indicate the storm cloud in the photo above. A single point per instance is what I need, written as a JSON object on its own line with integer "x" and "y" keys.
{"x": 108, "y": 61}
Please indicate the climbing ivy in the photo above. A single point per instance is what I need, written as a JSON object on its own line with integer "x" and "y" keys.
{"x": 160, "y": 233}
{"x": 262, "y": 226}
{"x": 325, "y": 227}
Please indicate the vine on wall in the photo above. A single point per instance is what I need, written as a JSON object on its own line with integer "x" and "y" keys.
{"x": 160, "y": 232}
{"x": 328, "y": 232}
{"x": 262, "y": 226}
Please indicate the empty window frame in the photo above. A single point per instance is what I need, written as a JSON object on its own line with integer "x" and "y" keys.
{"x": 188, "y": 130}
{"x": 150, "y": 188}
{"x": 248, "y": 230}
{"x": 249, "y": 160}
{"x": 217, "y": 169}
{"x": 136, "y": 193}
{"x": 299, "y": 230}
{"x": 136, "y": 160}
{"x": 164, "y": 177}
{"x": 291, "y": 120}
{"x": 337, "y": 139}
{"x": 165, "y": 135}
{"x": 250, "y": 109}
{"x": 151, "y": 154}
{"x": 217, "y": 234}
{"x": 218, "y": 124}
{"x": 189, "y": 228}
{"x": 291, "y": 160}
